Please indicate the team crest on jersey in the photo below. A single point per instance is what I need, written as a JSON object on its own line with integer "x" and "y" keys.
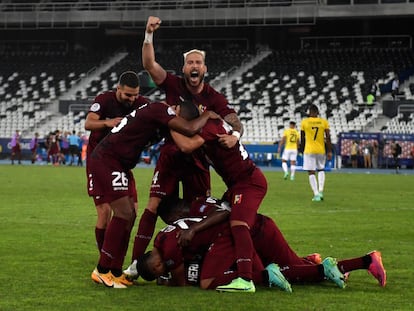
{"x": 201, "y": 108}
{"x": 95, "y": 107}
{"x": 237, "y": 199}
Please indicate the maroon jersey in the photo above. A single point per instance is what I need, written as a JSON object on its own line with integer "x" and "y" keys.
{"x": 264, "y": 233}
{"x": 173, "y": 255}
{"x": 232, "y": 164}
{"x": 165, "y": 181}
{"x": 207, "y": 99}
{"x": 107, "y": 107}
{"x": 137, "y": 130}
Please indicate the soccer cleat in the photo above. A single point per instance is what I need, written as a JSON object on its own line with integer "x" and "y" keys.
{"x": 321, "y": 195}
{"x": 276, "y": 278}
{"x": 332, "y": 272}
{"x": 238, "y": 285}
{"x": 314, "y": 258}
{"x": 103, "y": 278}
{"x": 292, "y": 177}
{"x": 285, "y": 176}
{"x": 316, "y": 198}
{"x": 131, "y": 272}
{"x": 377, "y": 269}
{"x": 123, "y": 279}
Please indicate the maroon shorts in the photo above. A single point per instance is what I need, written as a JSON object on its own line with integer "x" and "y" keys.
{"x": 265, "y": 233}
{"x": 108, "y": 180}
{"x": 246, "y": 196}
{"x": 16, "y": 149}
{"x": 173, "y": 167}
{"x": 221, "y": 257}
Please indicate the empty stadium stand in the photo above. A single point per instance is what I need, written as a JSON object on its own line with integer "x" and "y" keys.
{"x": 266, "y": 95}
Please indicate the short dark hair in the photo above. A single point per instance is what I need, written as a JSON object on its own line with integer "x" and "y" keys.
{"x": 292, "y": 123}
{"x": 188, "y": 110}
{"x": 129, "y": 78}
{"x": 143, "y": 268}
{"x": 313, "y": 108}
{"x": 172, "y": 208}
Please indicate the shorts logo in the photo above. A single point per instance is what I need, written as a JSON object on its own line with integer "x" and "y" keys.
{"x": 237, "y": 199}
{"x": 95, "y": 107}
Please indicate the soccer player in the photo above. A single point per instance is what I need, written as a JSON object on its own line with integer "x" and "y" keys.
{"x": 315, "y": 135}
{"x": 15, "y": 147}
{"x": 192, "y": 170}
{"x": 213, "y": 246}
{"x": 246, "y": 188}
{"x": 191, "y": 265}
{"x": 105, "y": 113}
{"x": 109, "y": 176}
{"x": 34, "y": 144}
{"x": 290, "y": 141}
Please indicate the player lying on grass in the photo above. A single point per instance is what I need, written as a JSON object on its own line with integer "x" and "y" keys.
{"x": 209, "y": 268}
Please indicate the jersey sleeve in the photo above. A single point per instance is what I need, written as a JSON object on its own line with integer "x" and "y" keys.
{"x": 211, "y": 129}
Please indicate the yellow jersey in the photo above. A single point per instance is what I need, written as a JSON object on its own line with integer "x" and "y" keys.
{"x": 314, "y": 128}
{"x": 291, "y": 138}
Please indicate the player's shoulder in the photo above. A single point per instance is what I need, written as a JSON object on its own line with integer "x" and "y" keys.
{"x": 105, "y": 97}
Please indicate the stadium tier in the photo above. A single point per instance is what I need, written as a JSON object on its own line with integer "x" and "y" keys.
{"x": 267, "y": 88}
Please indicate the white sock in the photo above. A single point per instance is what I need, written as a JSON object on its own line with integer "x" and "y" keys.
{"x": 321, "y": 180}
{"x": 313, "y": 183}
{"x": 292, "y": 169}
{"x": 285, "y": 167}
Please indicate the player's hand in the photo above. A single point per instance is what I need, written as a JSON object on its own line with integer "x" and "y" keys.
{"x": 113, "y": 122}
{"x": 185, "y": 237}
{"x": 227, "y": 141}
{"x": 329, "y": 156}
{"x": 153, "y": 24}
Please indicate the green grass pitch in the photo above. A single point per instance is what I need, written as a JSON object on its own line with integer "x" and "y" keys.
{"x": 47, "y": 243}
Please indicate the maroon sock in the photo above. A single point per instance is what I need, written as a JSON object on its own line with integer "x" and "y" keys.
{"x": 144, "y": 234}
{"x": 244, "y": 251}
{"x": 99, "y": 236}
{"x": 303, "y": 273}
{"x": 112, "y": 246}
{"x": 348, "y": 265}
{"x": 118, "y": 262}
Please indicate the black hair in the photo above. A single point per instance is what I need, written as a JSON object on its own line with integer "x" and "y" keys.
{"x": 313, "y": 108}
{"x": 188, "y": 110}
{"x": 172, "y": 208}
{"x": 292, "y": 123}
{"x": 129, "y": 78}
{"x": 143, "y": 268}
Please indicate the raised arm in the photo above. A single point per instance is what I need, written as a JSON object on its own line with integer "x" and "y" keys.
{"x": 157, "y": 73}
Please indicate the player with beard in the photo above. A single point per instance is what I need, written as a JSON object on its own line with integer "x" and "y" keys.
{"x": 110, "y": 167}
{"x": 107, "y": 110}
{"x": 191, "y": 170}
